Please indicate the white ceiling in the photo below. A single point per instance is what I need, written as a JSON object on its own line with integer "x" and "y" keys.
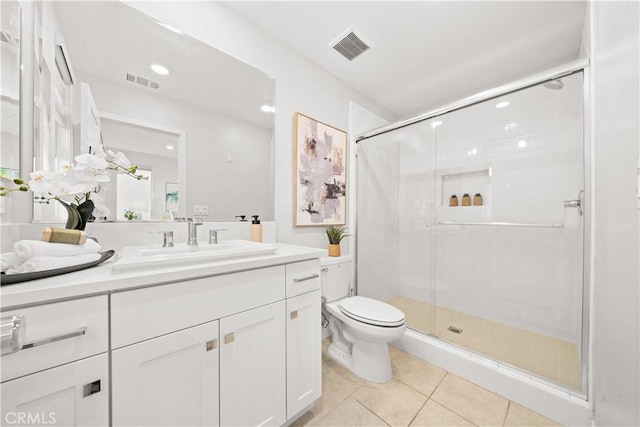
{"x": 426, "y": 54}
{"x": 109, "y": 39}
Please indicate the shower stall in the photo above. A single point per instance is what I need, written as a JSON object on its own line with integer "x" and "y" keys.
{"x": 472, "y": 221}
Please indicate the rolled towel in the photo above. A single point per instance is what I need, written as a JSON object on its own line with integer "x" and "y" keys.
{"x": 25, "y": 249}
{"x": 42, "y": 263}
{"x": 9, "y": 260}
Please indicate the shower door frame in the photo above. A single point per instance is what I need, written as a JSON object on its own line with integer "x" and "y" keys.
{"x": 581, "y": 65}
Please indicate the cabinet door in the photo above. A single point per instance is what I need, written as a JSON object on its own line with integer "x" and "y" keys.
{"x": 170, "y": 380}
{"x": 304, "y": 352}
{"x": 75, "y": 394}
{"x": 252, "y": 367}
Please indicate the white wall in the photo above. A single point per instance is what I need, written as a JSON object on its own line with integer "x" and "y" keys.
{"x": 300, "y": 87}
{"x": 615, "y": 50}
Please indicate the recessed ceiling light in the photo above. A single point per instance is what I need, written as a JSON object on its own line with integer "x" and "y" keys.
{"x": 159, "y": 69}
{"x": 522, "y": 143}
{"x": 169, "y": 27}
{"x": 268, "y": 108}
{"x": 170, "y": 147}
{"x": 436, "y": 124}
{"x": 502, "y": 104}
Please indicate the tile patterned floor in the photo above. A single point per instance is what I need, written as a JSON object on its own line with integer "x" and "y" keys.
{"x": 550, "y": 358}
{"x": 419, "y": 394}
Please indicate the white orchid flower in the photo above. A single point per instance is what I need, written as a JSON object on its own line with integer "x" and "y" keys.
{"x": 90, "y": 161}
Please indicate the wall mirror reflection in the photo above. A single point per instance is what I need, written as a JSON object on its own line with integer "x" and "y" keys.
{"x": 182, "y": 111}
{"x": 10, "y": 88}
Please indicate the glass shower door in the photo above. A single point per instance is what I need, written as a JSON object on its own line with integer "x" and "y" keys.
{"x": 509, "y": 245}
{"x": 395, "y": 212}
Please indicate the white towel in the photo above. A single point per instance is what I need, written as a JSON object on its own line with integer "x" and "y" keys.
{"x": 52, "y": 262}
{"x": 8, "y": 260}
{"x": 25, "y": 249}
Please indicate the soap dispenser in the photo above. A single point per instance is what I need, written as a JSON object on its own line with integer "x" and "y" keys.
{"x": 255, "y": 231}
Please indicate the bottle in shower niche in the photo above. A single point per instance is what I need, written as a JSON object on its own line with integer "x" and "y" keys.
{"x": 453, "y": 201}
{"x": 477, "y": 200}
{"x": 466, "y": 200}
{"x": 255, "y": 230}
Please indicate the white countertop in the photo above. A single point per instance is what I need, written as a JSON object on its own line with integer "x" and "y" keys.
{"x": 102, "y": 279}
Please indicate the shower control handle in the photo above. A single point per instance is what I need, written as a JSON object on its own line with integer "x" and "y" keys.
{"x": 575, "y": 203}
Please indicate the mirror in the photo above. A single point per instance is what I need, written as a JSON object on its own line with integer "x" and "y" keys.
{"x": 10, "y": 88}
{"x": 198, "y": 132}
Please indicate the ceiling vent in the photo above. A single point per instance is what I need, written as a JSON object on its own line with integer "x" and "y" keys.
{"x": 142, "y": 81}
{"x": 350, "y": 44}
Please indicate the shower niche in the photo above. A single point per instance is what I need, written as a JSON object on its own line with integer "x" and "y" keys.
{"x": 474, "y": 182}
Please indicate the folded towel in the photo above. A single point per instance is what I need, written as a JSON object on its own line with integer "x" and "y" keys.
{"x": 8, "y": 260}
{"x": 52, "y": 262}
{"x": 25, "y": 249}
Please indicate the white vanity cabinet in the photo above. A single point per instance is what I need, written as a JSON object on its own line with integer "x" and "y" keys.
{"x": 304, "y": 336}
{"x": 253, "y": 367}
{"x": 237, "y": 348}
{"x": 60, "y": 373}
{"x": 75, "y": 394}
{"x": 171, "y": 380}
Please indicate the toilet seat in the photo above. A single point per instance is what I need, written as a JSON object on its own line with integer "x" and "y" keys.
{"x": 372, "y": 312}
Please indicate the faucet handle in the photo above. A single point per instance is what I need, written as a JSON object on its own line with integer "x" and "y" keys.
{"x": 168, "y": 238}
{"x": 213, "y": 235}
{"x": 195, "y": 221}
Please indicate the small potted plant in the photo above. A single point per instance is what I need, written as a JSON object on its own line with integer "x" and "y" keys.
{"x": 335, "y": 233}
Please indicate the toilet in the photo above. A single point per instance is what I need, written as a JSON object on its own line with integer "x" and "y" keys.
{"x": 361, "y": 327}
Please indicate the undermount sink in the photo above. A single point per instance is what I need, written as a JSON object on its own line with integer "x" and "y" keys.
{"x": 153, "y": 256}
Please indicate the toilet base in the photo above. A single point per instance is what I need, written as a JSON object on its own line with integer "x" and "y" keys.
{"x": 368, "y": 360}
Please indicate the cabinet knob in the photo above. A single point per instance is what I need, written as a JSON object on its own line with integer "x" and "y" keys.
{"x": 229, "y": 338}
{"x": 294, "y": 314}
{"x": 212, "y": 345}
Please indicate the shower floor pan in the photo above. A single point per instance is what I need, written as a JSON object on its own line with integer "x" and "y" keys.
{"x": 551, "y": 358}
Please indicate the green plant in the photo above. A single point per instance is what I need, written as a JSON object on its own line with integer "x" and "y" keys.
{"x": 336, "y": 233}
{"x": 130, "y": 215}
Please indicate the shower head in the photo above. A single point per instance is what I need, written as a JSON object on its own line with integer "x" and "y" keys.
{"x": 554, "y": 84}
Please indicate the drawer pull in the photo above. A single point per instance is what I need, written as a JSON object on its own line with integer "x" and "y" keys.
{"x": 12, "y": 334}
{"x": 304, "y": 279}
{"x": 212, "y": 345}
{"x": 294, "y": 314}
{"x": 91, "y": 388}
{"x": 229, "y": 338}
{"x": 81, "y": 331}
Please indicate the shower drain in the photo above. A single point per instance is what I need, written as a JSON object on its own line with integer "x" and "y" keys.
{"x": 454, "y": 329}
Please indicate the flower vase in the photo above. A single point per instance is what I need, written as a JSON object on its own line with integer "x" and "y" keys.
{"x": 78, "y": 216}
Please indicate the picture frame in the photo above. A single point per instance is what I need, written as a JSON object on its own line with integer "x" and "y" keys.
{"x": 320, "y": 173}
{"x": 171, "y": 196}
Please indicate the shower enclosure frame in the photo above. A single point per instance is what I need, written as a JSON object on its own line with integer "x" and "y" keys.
{"x": 581, "y": 65}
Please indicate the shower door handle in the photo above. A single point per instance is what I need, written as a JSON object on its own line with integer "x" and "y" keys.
{"x": 575, "y": 203}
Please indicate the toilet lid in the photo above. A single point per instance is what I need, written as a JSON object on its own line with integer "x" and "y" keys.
{"x": 371, "y": 311}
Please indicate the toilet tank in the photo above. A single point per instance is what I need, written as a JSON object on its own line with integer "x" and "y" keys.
{"x": 336, "y": 277}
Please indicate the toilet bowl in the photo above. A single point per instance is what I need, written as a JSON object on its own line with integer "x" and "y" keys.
{"x": 361, "y": 327}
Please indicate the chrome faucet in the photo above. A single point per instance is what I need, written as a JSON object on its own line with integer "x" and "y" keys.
{"x": 193, "y": 223}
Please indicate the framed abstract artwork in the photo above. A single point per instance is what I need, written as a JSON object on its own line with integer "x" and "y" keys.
{"x": 320, "y": 174}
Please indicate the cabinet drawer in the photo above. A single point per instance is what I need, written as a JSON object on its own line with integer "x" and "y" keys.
{"x": 75, "y": 394}
{"x": 142, "y": 314}
{"x": 303, "y": 277}
{"x": 56, "y": 330}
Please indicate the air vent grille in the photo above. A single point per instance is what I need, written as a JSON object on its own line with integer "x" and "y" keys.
{"x": 351, "y": 46}
{"x": 142, "y": 81}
